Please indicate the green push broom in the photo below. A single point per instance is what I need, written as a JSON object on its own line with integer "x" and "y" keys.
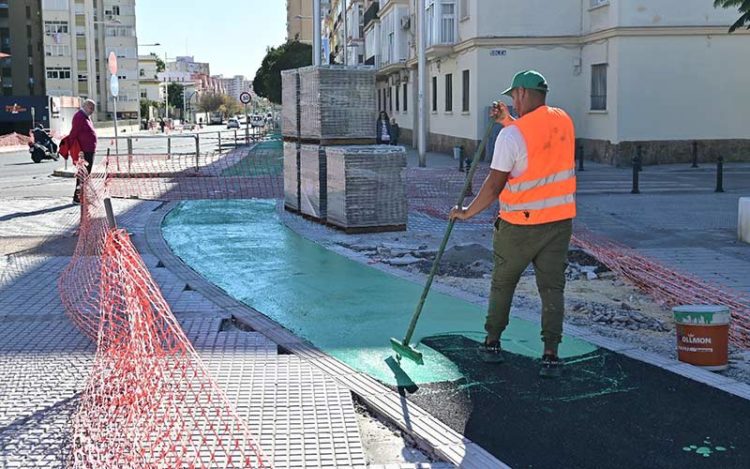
{"x": 402, "y": 348}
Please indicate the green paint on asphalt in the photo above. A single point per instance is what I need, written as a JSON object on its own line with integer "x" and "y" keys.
{"x": 345, "y": 308}
{"x": 264, "y": 159}
{"x": 705, "y": 451}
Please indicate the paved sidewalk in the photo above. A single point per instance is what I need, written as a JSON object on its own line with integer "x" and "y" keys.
{"x": 677, "y": 219}
{"x": 299, "y": 415}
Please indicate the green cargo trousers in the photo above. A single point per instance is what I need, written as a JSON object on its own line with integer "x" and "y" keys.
{"x": 515, "y": 246}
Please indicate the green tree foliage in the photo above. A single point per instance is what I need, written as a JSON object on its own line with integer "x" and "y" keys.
{"x": 230, "y": 106}
{"x": 145, "y": 104}
{"x": 210, "y": 102}
{"x": 160, "y": 67}
{"x": 293, "y": 54}
{"x": 744, "y": 8}
{"x": 176, "y": 95}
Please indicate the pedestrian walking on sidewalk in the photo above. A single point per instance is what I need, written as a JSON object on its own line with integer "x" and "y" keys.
{"x": 84, "y": 134}
{"x": 383, "y": 129}
{"x": 395, "y": 132}
{"x": 532, "y": 174}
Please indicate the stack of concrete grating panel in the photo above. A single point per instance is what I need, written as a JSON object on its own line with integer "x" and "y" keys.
{"x": 313, "y": 181}
{"x": 337, "y": 103}
{"x": 290, "y": 111}
{"x": 291, "y": 176}
{"x": 366, "y": 186}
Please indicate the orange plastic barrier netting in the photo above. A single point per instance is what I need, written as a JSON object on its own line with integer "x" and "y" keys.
{"x": 238, "y": 174}
{"x": 79, "y": 283}
{"x": 149, "y": 401}
{"x": 669, "y": 287}
{"x": 14, "y": 140}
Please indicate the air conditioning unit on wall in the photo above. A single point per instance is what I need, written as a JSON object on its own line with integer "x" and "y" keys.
{"x": 406, "y": 22}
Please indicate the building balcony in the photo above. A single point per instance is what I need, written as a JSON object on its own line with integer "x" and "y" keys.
{"x": 436, "y": 51}
{"x": 371, "y": 14}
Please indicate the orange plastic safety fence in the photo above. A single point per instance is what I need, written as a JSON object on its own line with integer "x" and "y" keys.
{"x": 149, "y": 400}
{"x": 668, "y": 286}
{"x": 239, "y": 174}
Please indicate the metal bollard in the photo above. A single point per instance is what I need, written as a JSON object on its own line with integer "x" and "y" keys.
{"x": 219, "y": 134}
{"x": 636, "y": 170}
{"x": 695, "y": 155}
{"x": 169, "y": 147}
{"x": 459, "y": 152}
{"x": 197, "y": 152}
{"x": 720, "y": 174}
{"x": 111, "y": 221}
{"x": 580, "y": 158}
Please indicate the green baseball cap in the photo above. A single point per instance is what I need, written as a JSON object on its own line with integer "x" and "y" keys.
{"x": 529, "y": 79}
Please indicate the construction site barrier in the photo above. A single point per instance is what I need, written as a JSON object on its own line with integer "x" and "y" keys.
{"x": 669, "y": 287}
{"x": 149, "y": 400}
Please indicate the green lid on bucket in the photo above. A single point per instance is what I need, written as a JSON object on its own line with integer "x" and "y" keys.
{"x": 701, "y": 314}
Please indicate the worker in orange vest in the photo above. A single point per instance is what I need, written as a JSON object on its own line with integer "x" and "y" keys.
{"x": 532, "y": 174}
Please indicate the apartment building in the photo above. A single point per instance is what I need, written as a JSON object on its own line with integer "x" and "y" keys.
{"x": 22, "y": 71}
{"x": 629, "y": 72}
{"x": 148, "y": 78}
{"x": 235, "y": 86}
{"x": 299, "y": 21}
{"x": 343, "y": 28}
{"x": 188, "y": 64}
{"x": 78, "y": 37}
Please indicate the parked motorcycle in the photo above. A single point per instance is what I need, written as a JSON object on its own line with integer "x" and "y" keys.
{"x": 42, "y": 147}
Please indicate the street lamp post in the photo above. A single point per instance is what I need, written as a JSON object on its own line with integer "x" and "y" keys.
{"x": 140, "y": 117}
{"x": 316, "y": 32}
{"x": 346, "y": 38}
{"x": 421, "y": 65}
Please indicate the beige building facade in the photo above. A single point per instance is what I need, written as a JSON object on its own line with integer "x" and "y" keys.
{"x": 299, "y": 21}
{"x": 629, "y": 73}
{"x": 79, "y": 35}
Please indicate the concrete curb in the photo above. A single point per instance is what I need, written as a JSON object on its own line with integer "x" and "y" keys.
{"x": 64, "y": 173}
{"x": 430, "y": 434}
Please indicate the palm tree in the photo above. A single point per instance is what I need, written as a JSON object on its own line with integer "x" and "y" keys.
{"x": 742, "y": 5}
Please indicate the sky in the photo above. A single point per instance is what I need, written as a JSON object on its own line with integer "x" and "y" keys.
{"x": 231, "y": 35}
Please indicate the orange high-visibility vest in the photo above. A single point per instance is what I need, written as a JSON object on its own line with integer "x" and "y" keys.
{"x": 546, "y": 191}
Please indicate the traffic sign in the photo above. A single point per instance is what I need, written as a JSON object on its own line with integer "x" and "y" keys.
{"x": 112, "y": 63}
{"x": 114, "y": 85}
{"x": 245, "y": 97}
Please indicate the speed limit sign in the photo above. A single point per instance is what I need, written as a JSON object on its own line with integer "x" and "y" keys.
{"x": 245, "y": 97}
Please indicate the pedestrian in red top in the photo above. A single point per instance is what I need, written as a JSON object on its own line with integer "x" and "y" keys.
{"x": 83, "y": 132}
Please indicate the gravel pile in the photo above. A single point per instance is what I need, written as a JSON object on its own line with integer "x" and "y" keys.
{"x": 622, "y": 317}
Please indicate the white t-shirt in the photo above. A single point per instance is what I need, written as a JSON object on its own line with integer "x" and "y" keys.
{"x": 384, "y": 136}
{"x": 510, "y": 155}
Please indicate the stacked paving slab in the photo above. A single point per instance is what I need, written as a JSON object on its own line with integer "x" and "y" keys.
{"x": 332, "y": 171}
{"x": 366, "y": 186}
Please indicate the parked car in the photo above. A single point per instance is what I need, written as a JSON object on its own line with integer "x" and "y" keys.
{"x": 233, "y": 123}
{"x": 257, "y": 121}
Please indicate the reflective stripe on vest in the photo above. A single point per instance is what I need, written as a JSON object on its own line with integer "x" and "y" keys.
{"x": 527, "y": 185}
{"x": 540, "y": 204}
{"x": 545, "y": 192}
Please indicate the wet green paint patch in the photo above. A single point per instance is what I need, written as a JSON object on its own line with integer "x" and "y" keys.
{"x": 345, "y": 308}
{"x": 265, "y": 159}
{"x": 707, "y": 449}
